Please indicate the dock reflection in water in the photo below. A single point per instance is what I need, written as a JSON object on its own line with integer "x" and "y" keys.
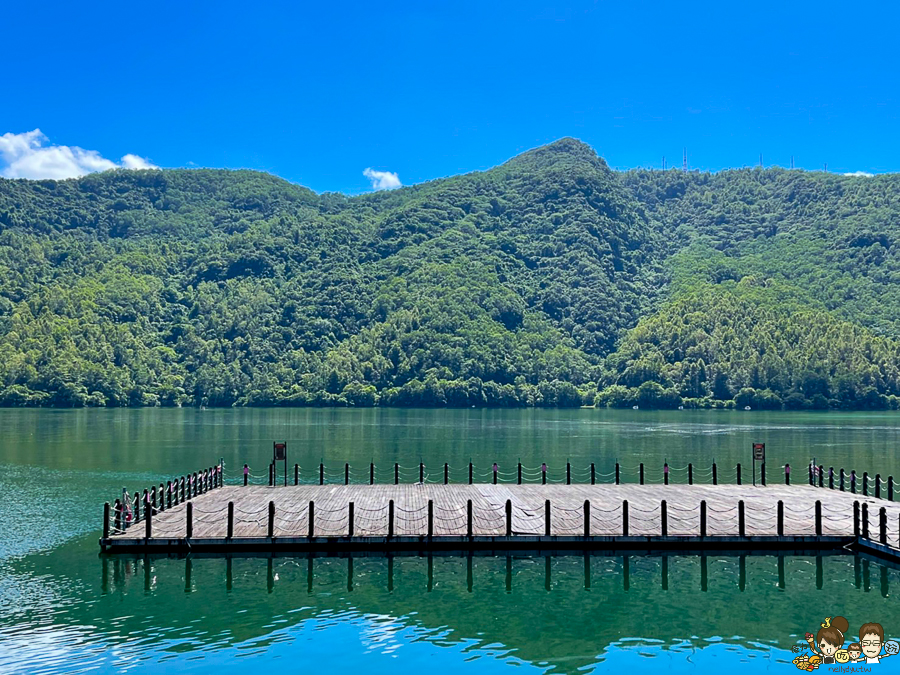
{"x": 552, "y": 613}
{"x": 116, "y": 571}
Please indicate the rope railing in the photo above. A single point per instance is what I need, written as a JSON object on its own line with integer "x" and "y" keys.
{"x": 509, "y": 473}
{"x": 839, "y": 479}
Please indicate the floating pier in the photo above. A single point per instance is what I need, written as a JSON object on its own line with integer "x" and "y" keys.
{"x": 200, "y": 513}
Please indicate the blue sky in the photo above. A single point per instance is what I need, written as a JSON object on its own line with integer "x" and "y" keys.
{"x": 318, "y": 92}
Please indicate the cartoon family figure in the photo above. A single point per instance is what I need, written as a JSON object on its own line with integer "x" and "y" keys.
{"x": 828, "y": 645}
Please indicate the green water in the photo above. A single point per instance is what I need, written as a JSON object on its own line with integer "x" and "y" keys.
{"x": 65, "y": 608}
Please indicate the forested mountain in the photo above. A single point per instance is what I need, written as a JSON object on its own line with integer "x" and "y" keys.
{"x": 550, "y": 280}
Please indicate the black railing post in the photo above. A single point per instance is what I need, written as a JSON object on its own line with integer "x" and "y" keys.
{"x": 371, "y": 473}
{"x": 547, "y": 518}
{"x": 882, "y": 526}
{"x": 787, "y": 474}
{"x": 856, "y": 519}
{"x": 568, "y": 473}
{"x": 780, "y": 518}
{"x": 890, "y": 488}
{"x": 742, "y": 521}
{"x": 586, "y": 515}
{"x": 593, "y": 474}
{"x": 246, "y": 476}
{"x": 296, "y": 474}
{"x": 396, "y": 473}
{"x": 831, "y": 478}
{"x": 690, "y": 473}
{"x": 715, "y": 474}
{"x": 821, "y": 476}
{"x": 625, "y": 518}
{"x": 311, "y": 525}
{"x": 351, "y": 508}
{"x": 617, "y": 472}
{"x": 390, "y": 519}
{"x": 470, "y": 472}
{"x": 271, "y": 532}
{"x": 642, "y": 473}
{"x": 864, "y": 517}
{"x": 430, "y": 518}
{"x": 738, "y": 474}
{"x": 663, "y": 518}
{"x": 421, "y": 472}
{"x": 321, "y": 473}
{"x": 519, "y": 474}
{"x": 469, "y": 518}
{"x": 508, "y": 518}
{"x": 189, "y": 521}
{"x": 818, "y": 518}
{"x": 494, "y": 469}
{"x": 168, "y": 494}
{"x": 877, "y": 486}
{"x": 762, "y": 473}
{"x": 702, "y": 517}
{"x": 230, "y": 533}
{"x": 543, "y": 473}
{"x": 347, "y": 473}
{"x": 853, "y": 481}
{"x": 106, "y": 519}
{"x": 865, "y": 483}
{"x": 446, "y": 473}
{"x": 666, "y": 473}
{"x": 841, "y": 479}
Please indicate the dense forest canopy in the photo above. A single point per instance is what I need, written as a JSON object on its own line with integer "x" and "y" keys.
{"x": 550, "y": 280}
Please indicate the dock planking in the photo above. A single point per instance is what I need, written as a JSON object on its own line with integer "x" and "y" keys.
{"x": 527, "y": 514}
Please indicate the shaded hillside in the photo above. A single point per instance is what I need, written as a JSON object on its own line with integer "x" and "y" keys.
{"x": 521, "y": 285}
{"x": 753, "y": 343}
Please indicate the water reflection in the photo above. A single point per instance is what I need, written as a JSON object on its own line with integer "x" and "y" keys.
{"x": 555, "y": 613}
{"x": 115, "y": 570}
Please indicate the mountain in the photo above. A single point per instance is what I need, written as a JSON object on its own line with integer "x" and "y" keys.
{"x": 549, "y": 280}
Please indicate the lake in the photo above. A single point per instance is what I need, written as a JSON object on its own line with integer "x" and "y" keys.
{"x": 66, "y": 608}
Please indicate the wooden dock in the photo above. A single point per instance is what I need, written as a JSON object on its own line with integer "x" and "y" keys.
{"x": 485, "y": 516}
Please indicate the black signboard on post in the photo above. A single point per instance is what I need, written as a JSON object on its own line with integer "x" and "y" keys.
{"x": 281, "y": 455}
{"x": 759, "y": 455}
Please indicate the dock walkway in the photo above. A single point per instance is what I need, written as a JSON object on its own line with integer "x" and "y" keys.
{"x": 504, "y": 516}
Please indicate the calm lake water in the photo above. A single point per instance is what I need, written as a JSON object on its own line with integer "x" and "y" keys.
{"x": 66, "y": 608}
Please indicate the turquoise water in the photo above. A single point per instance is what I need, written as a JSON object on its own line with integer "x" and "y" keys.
{"x": 66, "y": 608}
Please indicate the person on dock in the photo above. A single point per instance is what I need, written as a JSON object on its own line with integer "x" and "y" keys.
{"x": 829, "y": 638}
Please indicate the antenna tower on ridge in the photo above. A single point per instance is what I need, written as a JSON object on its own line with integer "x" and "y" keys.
{"x": 684, "y": 161}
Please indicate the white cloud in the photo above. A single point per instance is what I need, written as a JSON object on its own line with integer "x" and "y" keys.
{"x": 382, "y": 180}
{"x": 28, "y": 155}
{"x": 860, "y": 173}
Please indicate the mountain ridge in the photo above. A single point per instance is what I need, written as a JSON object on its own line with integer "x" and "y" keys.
{"x": 543, "y": 281}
